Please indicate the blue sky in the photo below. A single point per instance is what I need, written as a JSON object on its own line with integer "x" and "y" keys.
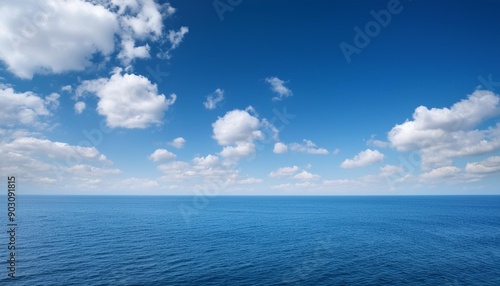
{"x": 250, "y": 97}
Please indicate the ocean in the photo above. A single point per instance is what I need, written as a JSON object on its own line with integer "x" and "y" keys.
{"x": 254, "y": 240}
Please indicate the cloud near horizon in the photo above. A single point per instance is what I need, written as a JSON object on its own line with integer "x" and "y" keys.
{"x": 443, "y": 134}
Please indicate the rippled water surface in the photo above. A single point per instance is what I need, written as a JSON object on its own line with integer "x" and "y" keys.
{"x": 92, "y": 240}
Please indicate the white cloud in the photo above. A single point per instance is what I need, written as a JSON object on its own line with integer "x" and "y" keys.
{"x": 236, "y": 126}
{"x": 79, "y": 107}
{"x": 241, "y": 149}
{"x": 204, "y": 173}
{"x": 145, "y": 21}
{"x": 82, "y": 170}
{"x": 178, "y": 142}
{"x": 175, "y": 38}
{"x": 67, "y": 88}
{"x": 130, "y": 51}
{"x": 42, "y": 161}
{"x": 176, "y": 170}
{"x": 449, "y": 175}
{"x": 308, "y": 147}
{"x": 54, "y": 36}
{"x": 58, "y": 35}
{"x": 24, "y": 108}
{"x": 440, "y": 173}
{"x": 140, "y": 21}
{"x": 391, "y": 170}
{"x": 377, "y": 143}
{"x": 236, "y": 132}
{"x": 304, "y": 175}
{"x": 138, "y": 183}
{"x": 128, "y": 100}
{"x": 363, "y": 158}
{"x": 214, "y": 98}
{"x": 489, "y": 165}
{"x": 278, "y": 86}
{"x": 208, "y": 161}
{"x": 301, "y": 186}
{"x": 284, "y": 172}
{"x": 441, "y": 134}
{"x": 55, "y": 150}
{"x": 269, "y": 129}
{"x": 293, "y": 172}
{"x": 248, "y": 181}
{"x": 161, "y": 155}
{"x": 46, "y": 180}
{"x": 280, "y": 148}
{"x": 340, "y": 182}
{"x": 52, "y": 100}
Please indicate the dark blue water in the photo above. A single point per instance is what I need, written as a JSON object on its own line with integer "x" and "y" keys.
{"x": 431, "y": 240}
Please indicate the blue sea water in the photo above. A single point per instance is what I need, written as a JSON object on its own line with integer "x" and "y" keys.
{"x": 175, "y": 240}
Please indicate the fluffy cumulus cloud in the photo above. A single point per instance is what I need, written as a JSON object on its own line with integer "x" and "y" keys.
{"x": 363, "y": 158}
{"x": 25, "y": 108}
{"x": 213, "y": 99}
{"x": 489, "y": 165}
{"x": 54, "y": 36}
{"x": 441, "y": 134}
{"x": 236, "y": 131}
{"x": 242, "y": 149}
{"x": 307, "y": 147}
{"x": 278, "y": 87}
{"x": 206, "y": 162}
{"x": 58, "y": 35}
{"x": 177, "y": 142}
{"x": 127, "y": 100}
{"x": 161, "y": 155}
{"x": 130, "y": 51}
{"x": 280, "y": 148}
{"x": 80, "y": 107}
{"x": 236, "y": 126}
{"x": 140, "y": 21}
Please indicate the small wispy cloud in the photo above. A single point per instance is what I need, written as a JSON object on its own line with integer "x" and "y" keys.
{"x": 175, "y": 37}
{"x": 308, "y": 147}
{"x": 278, "y": 86}
{"x": 363, "y": 158}
{"x": 214, "y": 98}
{"x": 177, "y": 142}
